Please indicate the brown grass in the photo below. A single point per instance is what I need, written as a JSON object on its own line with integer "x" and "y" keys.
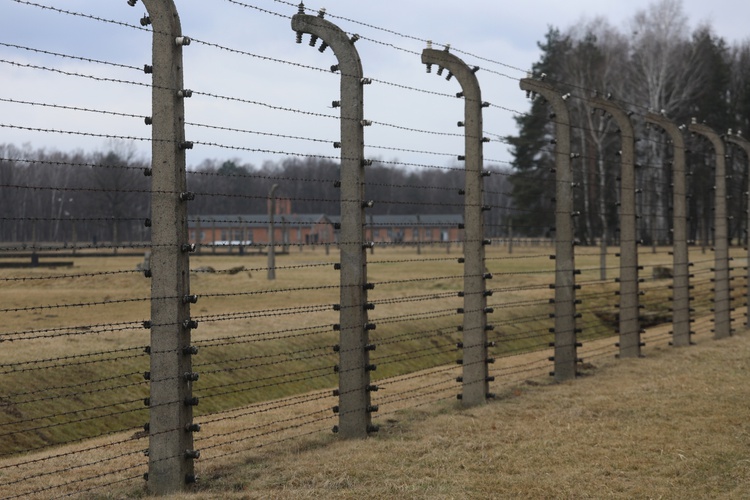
{"x": 672, "y": 425}
{"x": 589, "y": 439}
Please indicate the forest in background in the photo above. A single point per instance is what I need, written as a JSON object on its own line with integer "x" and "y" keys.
{"x": 654, "y": 63}
{"x": 105, "y": 196}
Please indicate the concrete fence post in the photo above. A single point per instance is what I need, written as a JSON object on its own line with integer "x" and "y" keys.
{"x": 745, "y": 145}
{"x": 680, "y": 258}
{"x": 171, "y": 376}
{"x": 354, "y": 348}
{"x": 271, "y": 232}
{"x": 475, "y": 379}
{"x": 630, "y": 331}
{"x": 566, "y": 357}
{"x": 722, "y": 305}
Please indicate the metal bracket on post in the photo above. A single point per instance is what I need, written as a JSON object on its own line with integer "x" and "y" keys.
{"x": 354, "y": 363}
{"x": 630, "y": 331}
{"x": 722, "y": 311}
{"x": 566, "y": 356}
{"x": 680, "y": 258}
{"x": 475, "y": 380}
{"x": 745, "y": 145}
{"x": 171, "y": 402}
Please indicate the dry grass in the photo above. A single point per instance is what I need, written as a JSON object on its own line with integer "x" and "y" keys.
{"x": 426, "y": 447}
{"x": 672, "y": 425}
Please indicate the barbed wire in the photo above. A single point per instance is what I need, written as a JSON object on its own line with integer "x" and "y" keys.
{"x": 82, "y": 15}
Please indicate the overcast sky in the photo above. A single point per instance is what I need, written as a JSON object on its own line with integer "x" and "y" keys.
{"x": 504, "y": 32}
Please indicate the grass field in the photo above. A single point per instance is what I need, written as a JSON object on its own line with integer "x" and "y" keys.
{"x": 674, "y": 425}
{"x": 260, "y": 340}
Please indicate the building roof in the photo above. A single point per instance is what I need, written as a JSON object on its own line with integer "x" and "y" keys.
{"x": 436, "y": 220}
{"x": 259, "y": 220}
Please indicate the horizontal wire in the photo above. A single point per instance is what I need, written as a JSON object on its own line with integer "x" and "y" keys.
{"x": 70, "y": 468}
{"x": 77, "y": 384}
{"x": 66, "y": 365}
{"x": 72, "y": 412}
{"x": 80, "y": 14}
{"x": 262, "y": 407}
{"x": 67, "y": 56}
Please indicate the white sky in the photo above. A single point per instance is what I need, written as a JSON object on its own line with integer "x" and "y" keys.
{"x": 499, "y": 30}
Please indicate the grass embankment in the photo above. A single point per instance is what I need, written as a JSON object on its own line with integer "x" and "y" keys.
{"x": 260, "y": 340}
{"x": 674, "y": 425}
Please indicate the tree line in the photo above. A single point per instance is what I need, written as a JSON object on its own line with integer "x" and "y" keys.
{"x": 656, "y": 64}
{"x": 97, "y": 197}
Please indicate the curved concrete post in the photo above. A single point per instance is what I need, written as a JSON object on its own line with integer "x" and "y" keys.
{"x": 745, "y": 145}
{"x": 475, "y": 372}
{"x": 630, "y": 331}
{"x": 566, "y": 356}
{"x": 722, "y": 306}
{"x": 354, "y": 362}
{"x": 171, "y": 403}
{"x": 680, "y": 258}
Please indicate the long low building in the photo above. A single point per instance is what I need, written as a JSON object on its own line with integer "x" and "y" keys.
{"x": 295, "y": 229}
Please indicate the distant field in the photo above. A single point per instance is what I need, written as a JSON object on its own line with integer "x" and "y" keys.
{"x": 89, "y": 350}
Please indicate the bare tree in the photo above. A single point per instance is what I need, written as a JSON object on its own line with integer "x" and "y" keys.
{"x": 668, "y": 72}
